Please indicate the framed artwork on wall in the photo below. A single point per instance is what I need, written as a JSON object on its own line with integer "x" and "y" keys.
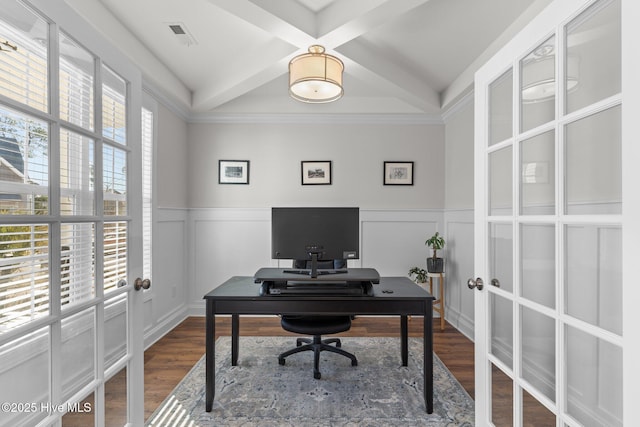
{"x": 316, "y": 172}
{"x": 233, "y": 171}
{"x": 398, "y": 173}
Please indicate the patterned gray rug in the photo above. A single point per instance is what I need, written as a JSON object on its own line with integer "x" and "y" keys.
{"x": 260, "y": 392}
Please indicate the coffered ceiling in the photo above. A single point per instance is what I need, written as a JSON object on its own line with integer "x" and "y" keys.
{"x": 400, "y": 56}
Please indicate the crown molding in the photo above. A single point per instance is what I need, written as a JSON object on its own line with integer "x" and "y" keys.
{"x": 458, "y": 105}
{"x": 189, "y": 116}
{"x": 178, "y": 108}
{"x": 292, "y": 118}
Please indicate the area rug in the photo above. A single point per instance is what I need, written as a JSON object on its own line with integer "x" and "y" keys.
{"x": 260, "y": 392}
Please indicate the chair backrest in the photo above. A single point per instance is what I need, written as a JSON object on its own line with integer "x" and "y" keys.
{"x": 323, "y": 264}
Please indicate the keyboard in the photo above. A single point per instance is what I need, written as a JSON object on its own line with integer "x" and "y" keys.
{"x": 306, "y": 288}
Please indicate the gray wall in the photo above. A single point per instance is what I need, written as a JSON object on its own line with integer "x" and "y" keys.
{"x": 357, "y": 151}
{"x": 459, "y": 156}
{"x": 205, "y": 232}
{"x": 458, "y": 215}
{"x": 171, "y": 160}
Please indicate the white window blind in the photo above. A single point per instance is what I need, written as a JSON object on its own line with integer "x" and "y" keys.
{"x": 23, "y": 72}
{"x": 114, "y": 176}
{"x": 77, "y": 263}
{"x": 115, "y": 254}
{"x": 76, "y": 83}
{"x": 76, "y": 174}
{"x": 147, "y": 194}
{"x": 114, "y": 111}
{"x": 24, "y": 274}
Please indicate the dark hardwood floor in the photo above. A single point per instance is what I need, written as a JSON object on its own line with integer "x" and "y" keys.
{"x": 171, "y": 358}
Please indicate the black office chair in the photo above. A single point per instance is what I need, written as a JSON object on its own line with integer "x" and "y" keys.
{"x": 317, "y": 326}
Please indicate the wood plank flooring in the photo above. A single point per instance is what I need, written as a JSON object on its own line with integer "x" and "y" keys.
{"x": 171, "y": 358}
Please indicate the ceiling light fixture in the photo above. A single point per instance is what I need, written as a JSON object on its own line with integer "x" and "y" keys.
{"x": 5, "y": 46}
{"x": 315, "y": 77}
{"x": 538, "y": 75}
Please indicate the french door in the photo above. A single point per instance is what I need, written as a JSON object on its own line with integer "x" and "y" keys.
{"x": 71, "y": 339}
{"x": 550, "y": 170}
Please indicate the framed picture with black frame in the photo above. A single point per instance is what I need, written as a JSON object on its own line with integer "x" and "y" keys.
{"x": 316, "y": 172}
{"x": 398, "y": 173}
{"x": 233, "y": 171}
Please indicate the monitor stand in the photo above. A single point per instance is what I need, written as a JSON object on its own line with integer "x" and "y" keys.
{"x": 314, "y": 272}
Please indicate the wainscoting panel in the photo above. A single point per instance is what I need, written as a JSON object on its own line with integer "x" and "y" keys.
{"x": 166, "y": 302}
{"x": 459, "y": 268}
{"x": 236, "y": 241}
{"x": 225, "y": 243}
{"x": 393, "y": 241}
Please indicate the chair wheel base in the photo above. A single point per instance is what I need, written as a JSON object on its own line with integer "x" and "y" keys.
{"x": 281, "y": 361}
{"x": 317, "y": 375}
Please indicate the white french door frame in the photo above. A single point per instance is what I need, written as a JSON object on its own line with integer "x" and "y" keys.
{"x": 549, "y": 22}
{"x": 65, "y": 18}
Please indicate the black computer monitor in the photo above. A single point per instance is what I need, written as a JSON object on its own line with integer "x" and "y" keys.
{"x": 315, "y": 234}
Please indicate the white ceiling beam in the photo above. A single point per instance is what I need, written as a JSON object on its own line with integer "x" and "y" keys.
{"x": 413, "y": 90}
{"x": 344, "y": 21}
{"x": 209, "y": 98}
{"x": 264, "y": 19}
{"x": 293, "y": 12}
{"x": 270, "y": 16}
{"x": 429, "y": 104}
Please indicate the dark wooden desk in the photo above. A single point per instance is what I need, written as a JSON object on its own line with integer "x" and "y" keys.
{"x": 239, "y": 295}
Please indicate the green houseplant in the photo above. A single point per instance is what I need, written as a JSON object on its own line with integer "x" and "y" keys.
{"x": 434, "y": 263}
{"x": 419, "y": 273}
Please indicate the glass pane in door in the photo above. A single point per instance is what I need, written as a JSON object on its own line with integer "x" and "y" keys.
{"x": 538, "y": 353}
{"x": 115, "y": 330}
{"x": 24, "y": 145}
{"x": 114, "y": 180}
{"x": 77, "y": 166}
{"x": 500, "y": 108}
{"x": 593, "y": 277}
{"x": 24, "y": 375}
{"x": 77, "y": 263}
{"x": 593, "y": 61}
{"x": 537, "y": 175}
{"x": 501, "y": 256}
{"x": 538, "y": 263}
{"x": 24, "y": 73}
{"x": 82, "y": 414}
{"x": 115, "y": 396}
{"x": 538, "y": 86}
{"x": 501, "y": 397}
{"x": 115, "y": 255}
{"x": 77, "y": 78}
{"x": 78, "y": 352}
{"x": 594, "y": 379}
{"x": 501, "y": 182}
{"x": 534, "y": 413}
{"x": 593, "y": 164}
{"x": 501, "y": 328}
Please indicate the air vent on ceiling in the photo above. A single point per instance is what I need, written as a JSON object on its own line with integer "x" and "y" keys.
{"x": 182, "y": 33}
{"x": 177, "y": 29}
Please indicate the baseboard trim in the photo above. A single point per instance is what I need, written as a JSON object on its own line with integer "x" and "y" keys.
{"x": 160, "y": 329}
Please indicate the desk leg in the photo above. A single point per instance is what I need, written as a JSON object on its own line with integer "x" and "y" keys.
{"x": 235, "y": 334}
{"x": 210, "y": 370}
{"x": 428, "y": 356}
{"x": 404, "y": 344}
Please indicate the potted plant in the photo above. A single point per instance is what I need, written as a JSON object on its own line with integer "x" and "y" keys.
{"x": 419, "y": 273}
{"x": 435, "y": 264}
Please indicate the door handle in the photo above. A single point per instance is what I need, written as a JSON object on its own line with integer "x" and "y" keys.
{"x": 477, "y": 283}
{"x": 141, "y": 284}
